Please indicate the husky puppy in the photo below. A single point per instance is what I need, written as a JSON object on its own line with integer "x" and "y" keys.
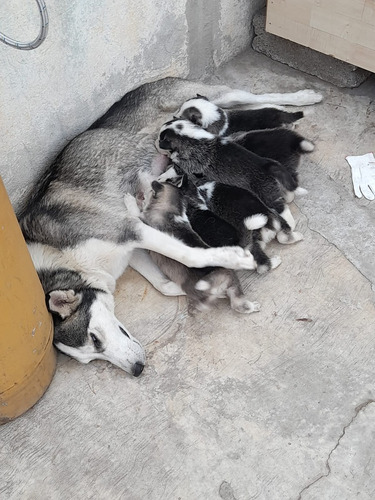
{"x": 255, "y": 223}
{"x": 165, "y": 210}
{"x": 199, "y": 152}
{"x": 258, "y": 131}
{"x": 80, "y": 237}
{"x": 200, "y": 111}
{"x": 282, "y": 145}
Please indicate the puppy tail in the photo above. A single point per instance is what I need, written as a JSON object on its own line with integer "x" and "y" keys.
{"x": 285, "y": 176}
{"x": 256, "y": 221}
{"x": 292, "y": 117}
{"x": 306, "y": 146}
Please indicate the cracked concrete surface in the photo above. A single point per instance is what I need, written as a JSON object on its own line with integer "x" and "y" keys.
{"x": 277, "y": 405}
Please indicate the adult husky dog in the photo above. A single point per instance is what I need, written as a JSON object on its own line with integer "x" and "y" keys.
{"x": 80, "y": 236}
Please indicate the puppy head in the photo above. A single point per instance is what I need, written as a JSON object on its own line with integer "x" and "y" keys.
{"x": 173, "y": 133}
{"x": 205, "y": 114}
{"x": 162, "y": 200}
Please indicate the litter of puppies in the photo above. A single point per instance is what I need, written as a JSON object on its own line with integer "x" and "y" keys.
{"x": 229, "y": 180}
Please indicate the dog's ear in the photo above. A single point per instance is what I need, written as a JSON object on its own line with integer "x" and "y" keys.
{"x": 193, "y": 115}
{"x": 156, "y": 187}
{"x": 202, "y": 97}
{"x": 63, "y": 302}
{"x": 165, "y": 140}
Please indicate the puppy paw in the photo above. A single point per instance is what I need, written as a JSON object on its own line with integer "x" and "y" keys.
{"x": 289, "y": 238}
{"x": 267, "y": 234}
{"x": 275, "y": 261}
{"x": 263, "y": 268}
{"x": 244, "y": 306}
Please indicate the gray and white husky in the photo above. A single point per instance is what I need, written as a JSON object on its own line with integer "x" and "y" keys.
{"x": 80, "y": 236}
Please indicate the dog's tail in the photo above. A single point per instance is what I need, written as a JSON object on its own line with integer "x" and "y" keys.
{"x": 256, "y": 221}
{"x": 285, "y": 176}
{"x": 305, "y": 146}
{"x": 288, "y": 118}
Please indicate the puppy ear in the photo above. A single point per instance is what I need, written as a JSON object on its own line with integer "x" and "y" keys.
{"x": 156, "y": 186}
{"x": 193, "y": 115}
{"x": 165, "y": 139}
{"x": 63, "y": 302}
{"x": 202, "y": 97}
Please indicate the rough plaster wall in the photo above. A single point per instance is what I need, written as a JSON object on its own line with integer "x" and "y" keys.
{"x": 235, "y": 31}
{"x": 95, "y": 52}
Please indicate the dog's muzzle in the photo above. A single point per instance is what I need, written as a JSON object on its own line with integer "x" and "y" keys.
{"x": 137, "y": 369}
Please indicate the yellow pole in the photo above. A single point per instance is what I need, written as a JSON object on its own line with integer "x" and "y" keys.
{"x": 27, "y": 357}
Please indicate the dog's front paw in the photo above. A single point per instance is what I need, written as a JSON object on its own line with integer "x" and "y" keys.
{"x": 237, "y": 258}
{"x": 308, "y": 96}
{"x": 131, "y": 205}
{"x": 170, "y": 289}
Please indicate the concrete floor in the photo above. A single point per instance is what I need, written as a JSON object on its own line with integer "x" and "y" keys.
{"x": 277, "y": 405}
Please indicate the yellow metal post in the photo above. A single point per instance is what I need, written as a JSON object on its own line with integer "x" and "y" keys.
{"x": 27, "y": 357}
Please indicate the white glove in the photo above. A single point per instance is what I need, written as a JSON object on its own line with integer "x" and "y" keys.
{"x": 363, "y": 175}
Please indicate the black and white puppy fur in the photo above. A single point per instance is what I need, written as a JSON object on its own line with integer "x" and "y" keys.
{"x": 282, "y": 145}
{"x": 197, "y": 151}
{"x": 200, "y": 111}
{"x": 255, "y": 224}
{"x": 165, "y": 209}
{"x": 262, "y": 131}
{"x": 79, "y": 236}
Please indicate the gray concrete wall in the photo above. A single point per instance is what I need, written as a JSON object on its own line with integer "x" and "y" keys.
{"x": 95, "y": 52}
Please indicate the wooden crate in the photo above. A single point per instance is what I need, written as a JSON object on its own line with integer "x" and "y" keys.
{"x": 344, "y": 29}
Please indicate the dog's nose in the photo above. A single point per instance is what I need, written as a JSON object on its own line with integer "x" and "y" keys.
{"x": 137, "y": 369}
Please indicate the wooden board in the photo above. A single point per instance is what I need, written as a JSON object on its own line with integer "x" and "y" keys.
{"x": 344, "y": 29}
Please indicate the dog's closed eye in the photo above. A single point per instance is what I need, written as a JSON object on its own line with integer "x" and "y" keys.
{"x": 97, "y": 343}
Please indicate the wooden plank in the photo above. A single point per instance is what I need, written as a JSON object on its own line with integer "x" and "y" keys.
{"x": 297, "y": 11}
{"x": 349, "y": 8}
{"x": 321, "y": 28}
{"x": 368, "y": 15}
{"x": 279, "y": 24}
{"x": 343, "y": 27}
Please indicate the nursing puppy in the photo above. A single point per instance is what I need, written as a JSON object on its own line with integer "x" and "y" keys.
{"x": 79, "y": 236}
{"x": 197, "y": 151}
{"x": 259, "y": 131}
{"x": 165, "y": 210}
{"x": 282, "y": 145}
{"x": 254, "y": 222}
{"x": 200, "y": 111}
